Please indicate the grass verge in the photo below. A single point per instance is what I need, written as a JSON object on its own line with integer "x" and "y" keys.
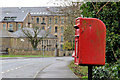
{"x": 79, "y": 71}
{"x": 24, "y": 56}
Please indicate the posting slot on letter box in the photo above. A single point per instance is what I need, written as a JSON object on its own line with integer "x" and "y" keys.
{"x": 90, "y": 41}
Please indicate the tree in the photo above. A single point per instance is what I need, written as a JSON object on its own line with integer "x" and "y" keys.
{"x": 67, "y": 46}
{"x": 109, "y": 13}
{"x": 33, "y": 36}
{"x": 71, "y": 10}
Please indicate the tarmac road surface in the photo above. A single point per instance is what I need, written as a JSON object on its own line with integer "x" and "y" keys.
{"x": 52, "y": 67}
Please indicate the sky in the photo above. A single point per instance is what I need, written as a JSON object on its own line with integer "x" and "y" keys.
{"x": 26, "y": 3}
{"x": 33, "y": 3}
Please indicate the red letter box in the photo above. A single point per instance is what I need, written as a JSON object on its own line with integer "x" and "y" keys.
{"x": 90, "y": 41}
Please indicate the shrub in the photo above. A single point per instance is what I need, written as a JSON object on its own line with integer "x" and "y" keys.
{"x": 109, "y": 71}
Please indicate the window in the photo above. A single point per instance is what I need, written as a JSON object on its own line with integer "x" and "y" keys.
{"x": 19, "y": 26}
{"x": 47, "y": 42}
{"x": 37, "y": 20}
{"x": 32, "y": 18}
{"x": 4, "y": 26}
{"x": 55, "y": 35}
{"x": 42, "y": 42}
{"x": 62, "y": 20}
{"x": 11, "y": 27}
{"x": 28, "y": 18}
{"x": 50, "y": 29}
{"x": 43, "y": 20}
{"x": 50, "y": 20}
{"x": 61, "y": 38}
{"x": 56, "y": 20}
{"x": 62, "y": 29}
{"x": 47, "y": 48}
{"x": 61, "y": 46}
{"x": 43, "y": 27}
{"x": 55, "y": 29}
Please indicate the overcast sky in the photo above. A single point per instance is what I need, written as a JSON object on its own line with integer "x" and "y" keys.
{"x": 26, "y": 3}
{"x": 32, "y": 3}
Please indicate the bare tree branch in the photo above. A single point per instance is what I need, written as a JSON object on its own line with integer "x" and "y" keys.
{"x": 101, "y": 8}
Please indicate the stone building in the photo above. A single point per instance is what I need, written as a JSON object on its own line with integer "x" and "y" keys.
{"x": 47, "y": 40}
{"x": 5, "y": 40}
{"x": 46, "y": 18}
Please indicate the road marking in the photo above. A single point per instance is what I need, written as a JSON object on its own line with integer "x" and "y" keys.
{"x": 35, "y": 76}
{"x": 12, "y": 69}
{"x": 26, "y": 59}
{"x": 19, "y": 67}
{"x": 8, "y": 70}
{"x": 2, "y": 72}
{"x": 16, "y": 68}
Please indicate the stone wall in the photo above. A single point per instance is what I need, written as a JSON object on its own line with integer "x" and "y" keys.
{"x": 30, "y": 52}
{"x": 37, "y": 52}
{"x": 65, "y": 53}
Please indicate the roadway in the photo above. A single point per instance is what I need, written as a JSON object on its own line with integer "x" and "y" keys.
{"x": 52, "y": 67}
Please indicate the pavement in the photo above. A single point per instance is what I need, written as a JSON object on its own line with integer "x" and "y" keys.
{"x": 52, "y": 67}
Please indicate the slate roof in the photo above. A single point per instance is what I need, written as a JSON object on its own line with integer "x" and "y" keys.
{"x": 20, "y": 33}
{"x": 42, "y": 33}
{"x": 41, "y": 11}
{"x": 21, "y": 12}
{"x": 19, "y": 17}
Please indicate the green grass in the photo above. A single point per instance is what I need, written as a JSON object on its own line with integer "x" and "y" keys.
{"x": 80, "y": 71}
{"x": 24, "y": 56}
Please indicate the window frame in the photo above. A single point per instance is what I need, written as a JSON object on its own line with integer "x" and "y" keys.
{"x": 37, "y": 20}
{"x": 56, "y": 20}
{"x": 50, "y": 20}
{"x": 10, "y": 25}
{"x": 43, "y": 20}
{"x": 18, "y": 27}
{"x": 61, "y": 47}
{"x": 62, "y": 29}
{"x": 4, "y": 26}
{"x": 50, "y": 29}
{"x": 42, "y": 27}
{"x": 56, "y": 29}
{"x": 61, "y": 38}
{"x": 62, "y": 20}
